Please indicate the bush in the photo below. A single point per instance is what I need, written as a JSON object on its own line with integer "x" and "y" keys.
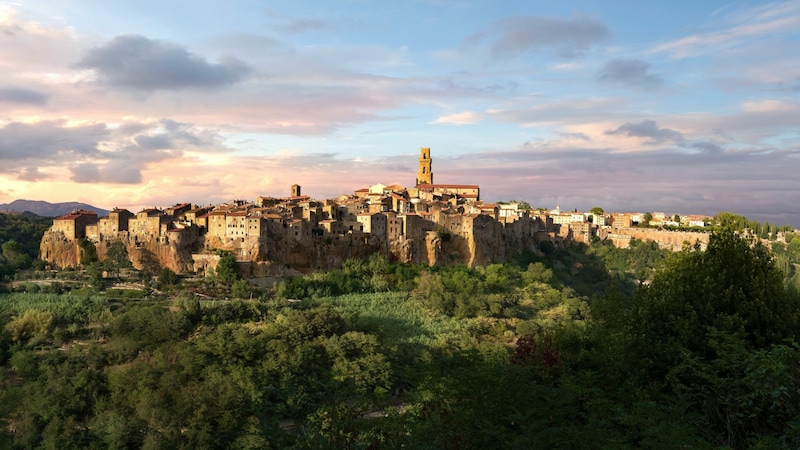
{"x": 168, "y": 277}
{"x": 31, "y": 323}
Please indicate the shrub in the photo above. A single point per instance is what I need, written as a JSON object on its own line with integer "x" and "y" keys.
{"x": 31, "y": 323}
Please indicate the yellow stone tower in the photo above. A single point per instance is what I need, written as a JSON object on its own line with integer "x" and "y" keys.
{"x": 424, "y": 176}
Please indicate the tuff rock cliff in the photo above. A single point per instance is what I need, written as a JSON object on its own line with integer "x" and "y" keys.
{"x": 279, "y": 255}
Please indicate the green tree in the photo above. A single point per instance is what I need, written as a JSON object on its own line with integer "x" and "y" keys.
{"x": 13, "y": 257}
{"x": 241, "y": 289}
{"x": 730, "y": 221}
{"x": 117, "y": 257}
{"x": 168, "y": 277}
{"x": 597, "y": 210}
{"x": 732, "y": 287}
{"x": 31, "y": 323}
{"x": 88, "y": 252}
{"x": 227, "y": 270}
{"x": 96, "y": 279}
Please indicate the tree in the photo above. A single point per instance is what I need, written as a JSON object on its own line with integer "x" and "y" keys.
{"x": 96, "y": 279}
{"x": 227, "y": 270}
{"x": 31, "y": 323}
{"x": 646, "y": 219}
{"x": 13, "y": 258}
{"x": 730, "y": 221}
{"x": 733, "y": 288}
{"x": 117, "y": 257}
{"x": 241, "y": 289}
{"x": 168, "y": 277}
{"x": 597, "y": 210}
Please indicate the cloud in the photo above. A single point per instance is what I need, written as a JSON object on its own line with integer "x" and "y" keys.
{"x": 22, "y": 95}
{"x": 671, "y": 179}
{"x": 136, "y": 62}
{"x": 114, "y": 172}
{"x": 31, "y": 45}
{"x": 514, "y": 36}
{"x": 629, "y": 72}
{"x": 791, "y": 85}
{"x": 49, "y": 139}
{"x": 648, "y": 129}
{"x": 304, "y": 26}
{"x": 741, "y": 27}
{"x": 707, "y": 147}
{"x": 98, "y": 152}
{"x": 539, "y": 110}
{"x": 463, "y": 118}
{"x": 31, "y": 174}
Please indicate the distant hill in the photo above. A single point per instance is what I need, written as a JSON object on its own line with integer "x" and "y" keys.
{"x": 47, "y": 209}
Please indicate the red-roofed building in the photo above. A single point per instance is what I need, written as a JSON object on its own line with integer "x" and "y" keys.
{"x": 73, "y": 225}
{"x": 178, "y": 210}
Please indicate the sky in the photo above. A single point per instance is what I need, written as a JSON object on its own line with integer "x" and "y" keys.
{"x": 683, "y": 107}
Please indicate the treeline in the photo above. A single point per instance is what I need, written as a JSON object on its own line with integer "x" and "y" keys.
{"x": 20, "y": 235}
{"x": 739, "y": 223}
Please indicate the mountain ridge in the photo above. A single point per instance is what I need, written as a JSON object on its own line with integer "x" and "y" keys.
{"x": 47, "y": 209}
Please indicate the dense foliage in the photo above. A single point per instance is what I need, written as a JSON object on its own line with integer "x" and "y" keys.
{"x": 578, "y": 347}
{"x": 20, "y": 235}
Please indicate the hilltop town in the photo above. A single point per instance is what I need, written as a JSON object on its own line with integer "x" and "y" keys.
{"x": 435, "y": 224}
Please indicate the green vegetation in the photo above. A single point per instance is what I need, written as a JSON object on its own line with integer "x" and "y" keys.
{"x": 574, "y": 347}
{"x": 20, "y": 235}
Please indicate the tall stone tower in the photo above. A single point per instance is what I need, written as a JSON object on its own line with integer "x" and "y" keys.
{"x": 424, "y": 176}
{"x": 295, "y": 190}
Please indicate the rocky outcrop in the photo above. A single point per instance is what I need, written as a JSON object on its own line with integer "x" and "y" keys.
{"x": 151, "y": 255}
{"x": 59, "y": 251}
{"x": 671, "y": 240}
{"x": 484, "y": 241}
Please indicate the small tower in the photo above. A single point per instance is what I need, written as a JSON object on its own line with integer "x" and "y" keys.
{"x": 295, "y": 190}
{"x": 425, "y": 176}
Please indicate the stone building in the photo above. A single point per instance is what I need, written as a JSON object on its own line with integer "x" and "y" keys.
{"x": 146, "y": 224}
{"x": 373, "y": 223}
{"x": 73, "y": 225}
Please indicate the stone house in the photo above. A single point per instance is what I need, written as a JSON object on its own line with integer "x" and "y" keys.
{"x": 217, "y": 225}
{"x": 146, "y": 224}
{"x": 73, "y": 225}
{"x": 373, "y": 223}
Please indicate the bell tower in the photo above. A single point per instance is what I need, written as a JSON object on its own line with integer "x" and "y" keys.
{"x": 424, "y": 176}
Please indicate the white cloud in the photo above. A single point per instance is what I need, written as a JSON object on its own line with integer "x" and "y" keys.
{"x": 462, "y": 118}
{"x": 736, "y": 29}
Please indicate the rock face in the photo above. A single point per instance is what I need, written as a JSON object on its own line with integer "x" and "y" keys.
{"x": 672, "y": 240}
{"x": 56, "y": 249}
{"x": 262, "y": 257}
{"x": 482, "y": 241}
{"x": 150, "y": 255}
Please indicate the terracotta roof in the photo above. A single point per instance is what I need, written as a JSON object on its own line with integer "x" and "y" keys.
{"x": 75, "y": 214}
